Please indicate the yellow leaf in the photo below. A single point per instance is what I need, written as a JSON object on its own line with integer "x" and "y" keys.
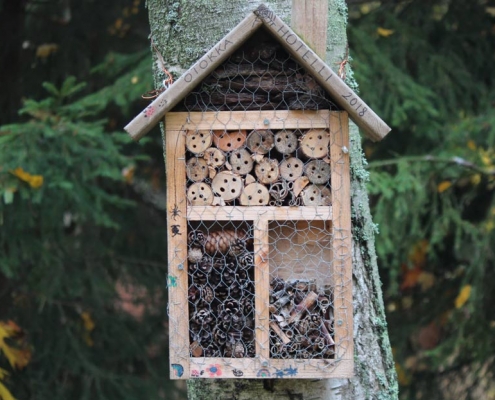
{"x": 88, "y": 322}
{"x": 426, "y": 280}
{"x": 5, "y": 393}
{"x": 443, "y": 186}
{"x": 489, "y": 226}
{"x": 418, "y": 253}
{"x": 44, "y": 50}
{"x": 3, "y": 374}
{"x": 89, "y": 326}
{"x": 35, "y": 181}
{"x": 128, "y": 173}
{"x": 134, "y": 80}
{"x": 486, "y": 157}
{"x": 384, "y": 32}
{"x": 471, "y": 145}
{"x": 19, "y": 356}
{"x": 463, "y": 296}
{"x": 475, "y": 179}
{"x": 402, "y": 376}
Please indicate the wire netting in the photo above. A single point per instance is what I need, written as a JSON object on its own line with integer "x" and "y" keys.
{"x": 261, "y": 284}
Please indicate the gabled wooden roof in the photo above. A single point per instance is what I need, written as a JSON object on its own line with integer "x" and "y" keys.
{"x": 372, "y": 125}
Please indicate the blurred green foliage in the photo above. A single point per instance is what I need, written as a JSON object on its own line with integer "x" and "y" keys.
{"x": 82, "y": 267}
{"x": 427, "y": 69}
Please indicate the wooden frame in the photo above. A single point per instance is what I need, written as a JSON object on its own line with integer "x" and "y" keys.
{"x": 262, "y": 366}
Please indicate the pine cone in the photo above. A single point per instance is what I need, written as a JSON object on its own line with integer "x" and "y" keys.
{"x": 196, "y": 239}
{"x": 245, "y": 260}
{"x": 221, "y": 241}
{"x": 238, "y": 350}
{"x": 207, "y": 294}
{"x": 237, "y": 247}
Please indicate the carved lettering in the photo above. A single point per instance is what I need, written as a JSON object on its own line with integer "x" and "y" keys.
{"x": 203, "y": 64}
{"x": 293, "y": 37}
{"x": 283, "y": 33}
{"x": 304, "y": 56}
{"x": 211, "y": 57}
{"x": 188, "y": 77}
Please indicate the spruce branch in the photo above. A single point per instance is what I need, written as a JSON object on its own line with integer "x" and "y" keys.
{"x": 458, "y": 161}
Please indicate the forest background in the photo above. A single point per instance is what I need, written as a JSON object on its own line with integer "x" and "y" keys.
{"x": 82, "y": 208}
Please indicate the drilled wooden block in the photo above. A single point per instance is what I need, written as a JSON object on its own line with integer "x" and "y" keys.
{"x": 314, "y": 144}
{"x": 198, "y": 141}
{"x": 214, "y": 157}
{"x": 227, "y": 185}
{"x": 291, "y": 169}
{"x": 228, "y": 141}
{"x": 241, "y": 161}
{"x": 196, "y": 169}
{"x": 200, "y": 194}
{"x": 260, "y": 141}
{"x": 317, "y": 171}
{"x": 267, "y": 171}
{"x": 316, "y": 195}
{"x": 254, "y": 194}
{"x": 286, "y": 141}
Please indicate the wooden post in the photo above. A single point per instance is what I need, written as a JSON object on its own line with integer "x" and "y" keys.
{"x": 310, "y": 22}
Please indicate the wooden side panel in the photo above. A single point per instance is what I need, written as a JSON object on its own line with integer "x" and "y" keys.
{"x": 342, "y": 262}
{"x": 374, "y": 127}
{"x": 152, "y": 114}
{"x": 177, "y": 255}
{"x": 262, "y": 284}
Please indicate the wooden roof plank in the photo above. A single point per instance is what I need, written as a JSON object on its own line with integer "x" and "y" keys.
{"x": 374, "y": 127}
{"x": 152, "y": 114}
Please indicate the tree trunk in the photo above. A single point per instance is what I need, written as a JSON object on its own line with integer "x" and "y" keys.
{"x": 183, "y": 31}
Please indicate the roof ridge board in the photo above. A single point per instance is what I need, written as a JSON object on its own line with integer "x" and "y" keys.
{"x": 373, "y": 126}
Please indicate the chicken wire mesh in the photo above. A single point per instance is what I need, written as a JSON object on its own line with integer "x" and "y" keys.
{"x": 266, "y": 259}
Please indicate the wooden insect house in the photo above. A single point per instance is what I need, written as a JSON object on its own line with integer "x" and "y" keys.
{"x": 259, "y": 218}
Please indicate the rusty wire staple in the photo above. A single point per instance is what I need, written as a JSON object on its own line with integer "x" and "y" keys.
{"x": 152, "y": 94}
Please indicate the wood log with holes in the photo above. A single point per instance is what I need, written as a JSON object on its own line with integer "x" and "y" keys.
{"x": 196, "y": 169}
{"x": 286, "y": 141}
{"x": 200, "y": 194}
{"x": 254, "y": 194}
{"x": 267, "y": 171}
{"x": 214, "y": 157}
{"x": 241, "y": 161}
{"x": 317, "y": 171}
{"x": 228, "y": 141}
{"x": 198, "y": 141}
{"x": 315, "y": 143}
{"x": 316, "y": 195}
{"x": 227, "y": 185}
{"x": 291, "y": 169}
{"x": 260, "y": 141}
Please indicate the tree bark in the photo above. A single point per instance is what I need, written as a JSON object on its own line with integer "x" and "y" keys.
{"x": 183, "y": 31}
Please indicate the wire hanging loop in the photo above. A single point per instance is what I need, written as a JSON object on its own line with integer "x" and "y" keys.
{"x": 342, "y": 64}
{"x": 152, "y": 94}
